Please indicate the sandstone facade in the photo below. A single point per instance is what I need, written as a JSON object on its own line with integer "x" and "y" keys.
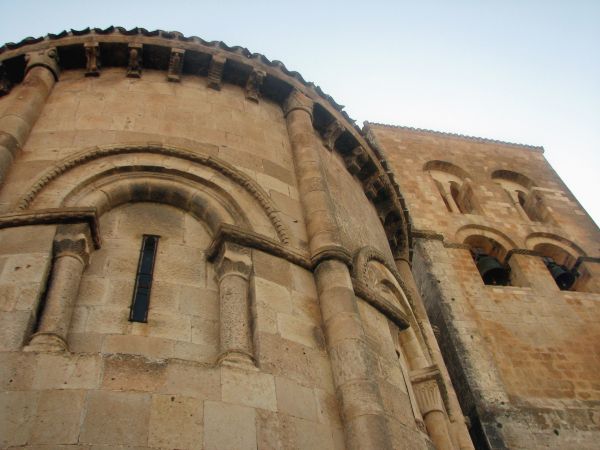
{"x": 283, "y": 310}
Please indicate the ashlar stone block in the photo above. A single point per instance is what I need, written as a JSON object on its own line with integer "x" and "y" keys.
{"x": 239, "y": 421}
{"x": 176, "y": 422}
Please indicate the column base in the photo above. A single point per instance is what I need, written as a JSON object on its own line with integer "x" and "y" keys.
{"x": 238, "y": 360}
{"x": 46, "y": 342}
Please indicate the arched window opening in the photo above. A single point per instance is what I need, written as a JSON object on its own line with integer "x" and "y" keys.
{"x": 454, "y": 187}
{"x": 488, "y": 256}
{"x": 560, "y": 264}
{"x": 523, "y": 194}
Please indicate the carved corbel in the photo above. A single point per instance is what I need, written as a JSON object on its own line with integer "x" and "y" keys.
{"x": 233, "y": 265}
{"x": 332, "y": 133}
{"x": 254, "y": 83}
{"x": 92, "y": 55}
{"x": 215, "y": 72}
{"x": 47, "y": 58}
{"x": 356, "y": 159}
{"x": 5, "y": 84}
{"x": 297, "y": 100}
{"x": 175, "y": 64}
{"x": 134, "y": 65}
{"x": 373, "y": 186}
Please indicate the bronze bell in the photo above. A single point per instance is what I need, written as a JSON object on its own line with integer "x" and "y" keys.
{"x": 492, "y": 272}
{"x": 563, "y": 277}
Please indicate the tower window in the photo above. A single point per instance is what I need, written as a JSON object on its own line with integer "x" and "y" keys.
{"x": 143, "y": 280}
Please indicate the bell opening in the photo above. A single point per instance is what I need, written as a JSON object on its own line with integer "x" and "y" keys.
{"x": 563, "y": 277}
{"x": 491, "y": 270}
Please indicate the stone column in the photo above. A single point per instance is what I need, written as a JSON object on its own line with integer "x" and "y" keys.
{"x": 431, "y": 405}
{"x": 71, "y": 255}
{"x": 458, "y": 426}
{"x": 233, "y": 266}
{"x": 26, "y": 104}
{"x": 352, "y": 363}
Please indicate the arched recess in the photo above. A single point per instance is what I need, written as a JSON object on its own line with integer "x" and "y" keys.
{"x": 62, "y": 183}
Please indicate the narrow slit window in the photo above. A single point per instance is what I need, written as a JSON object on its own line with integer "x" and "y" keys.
{"x": 143, "y": 279}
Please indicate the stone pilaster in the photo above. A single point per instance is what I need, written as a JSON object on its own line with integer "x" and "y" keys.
{"x": 27, "y": 102}
{"x": 71, "y": 254}
{"x": 233, "y": 265}
{"x": 365, "y": 424}
{"x": 459, "y": 431}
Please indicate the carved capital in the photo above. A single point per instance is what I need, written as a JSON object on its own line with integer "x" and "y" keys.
{"x": 134, "y": 65}
{"x": 426, "y": 385}
{"x": 175, "y": 64}
{"x": 73, "y": 240}
{"x": 5, "y": 84}
{"x": 333, "y": 131}
{"x": 92, "y": 55}
{"x": 215, "y": 72}
{"x": 254, "y": 83}
{"x": 47, "y": 58}
{"x": 233, "y": 259}
{"x": 297, "y": 100}
{"x": 356, "y": 159}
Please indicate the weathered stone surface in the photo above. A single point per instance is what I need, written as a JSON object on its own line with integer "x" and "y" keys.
{"x": 239, "y": 421}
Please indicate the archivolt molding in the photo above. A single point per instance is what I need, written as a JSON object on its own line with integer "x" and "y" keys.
{"x": 360, "y": 273}
{"x": 220, "y": 166}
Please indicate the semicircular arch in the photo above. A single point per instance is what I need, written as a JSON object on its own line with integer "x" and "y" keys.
{"x": 205, "y": 171}
{"x": 537, "y": 241}
{"x": 467, "y": 231}
{"x": 445, "y": 166}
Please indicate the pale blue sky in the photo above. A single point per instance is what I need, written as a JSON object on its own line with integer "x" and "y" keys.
{"x": 521, "y": 71}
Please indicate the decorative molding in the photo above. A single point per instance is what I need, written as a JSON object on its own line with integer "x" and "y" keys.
{"x": 215, "y": 72}
{"x": 134, "y": 64}
{"x": 175, "y": 64}
{"x": 333, "y": 131}
{"x": 520, "y": 251}
{"x": 56, "y": 216}
{"x": 220, "y": 166}
{"x": 388, "y": 309}
{"x": 236, "y": 235}
{"x": 427, "y": 234}
{"x": 254, "y": 83}
{"x": 92, "y": 56}
{"x": 233, "y": 259}
{"x": 47, "y": 58}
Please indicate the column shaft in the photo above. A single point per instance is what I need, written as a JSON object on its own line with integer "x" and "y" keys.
{"x": 26, "y": 104}
{"x": 459, "y": 430}
{"x": 60, "y": 300}
{"x": 236, "y": 343}
{"x": 352, "y": 364}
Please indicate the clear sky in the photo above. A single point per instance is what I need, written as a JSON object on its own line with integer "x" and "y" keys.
{"x": 522, "y": 71}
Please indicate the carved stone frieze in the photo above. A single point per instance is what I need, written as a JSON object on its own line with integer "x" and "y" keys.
{"x": 373, "y": 186}
{"x": 332, "y": 133}
{"x": 254, "y": 83}
{"x": 175, "y": 64}
{"x": 92, "y": 55}
{"x": 47, "y": 58}
{"x": 215, "y": 72}
{"x": 233, "y": 259}
{"x": 134, "y": 64}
